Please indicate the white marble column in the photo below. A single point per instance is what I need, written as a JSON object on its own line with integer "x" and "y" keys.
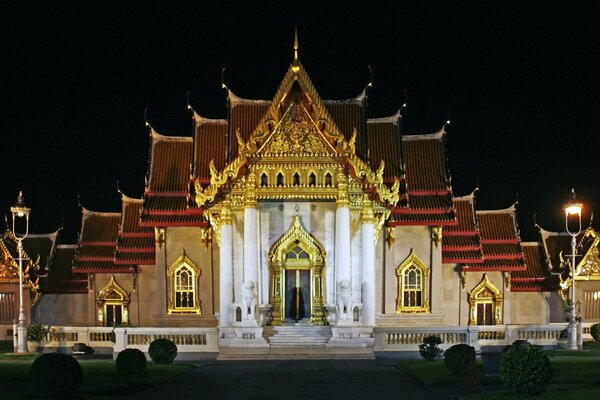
{"x": 251, "y": 252}
{"x": 367, "y": 236}
{"x": 342, "y": 244}
{"x": 226, "y": 266}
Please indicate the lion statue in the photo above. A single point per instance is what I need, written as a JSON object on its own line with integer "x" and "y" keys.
{"x": 344, "y": 299}
{"x": 248, "y": 300}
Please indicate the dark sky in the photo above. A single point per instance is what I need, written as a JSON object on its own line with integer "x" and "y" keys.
{"x": 521, "y": 83}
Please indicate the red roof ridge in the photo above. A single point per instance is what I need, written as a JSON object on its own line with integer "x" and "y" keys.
{"x": 466, "y": 197}
{"x": 199, "y": 119}
{"x": 427, "y": 136}
{"x": 506, "y": 210}
{"x": 127, "y": 199}
{"x": 359, "y": 98}
{"x": 66, "y": 246}
{"x": 87, "y": 213}
{"x": 394, "y": 118}
{"x": 237, "y": 100}
{"x": 158, "y": 137}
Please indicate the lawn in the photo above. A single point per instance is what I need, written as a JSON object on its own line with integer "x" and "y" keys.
{"x": 100, "y": 378}
{"x": 576, "y": 376}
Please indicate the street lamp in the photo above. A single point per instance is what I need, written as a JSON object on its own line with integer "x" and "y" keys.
{"x": 20, "y": 210}
{"x": 572, "y": 207}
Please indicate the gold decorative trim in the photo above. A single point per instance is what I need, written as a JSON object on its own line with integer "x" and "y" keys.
{"x": 412, "y": 261}
{"x": 183, "y": 261}
{"x": 297, "y": 236}
{"x": 436, "y": 235}
{"x": 480, "y": 294}
{"x": 109, "y": 295}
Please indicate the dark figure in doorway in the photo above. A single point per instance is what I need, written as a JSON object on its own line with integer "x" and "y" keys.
{"x": 297, "y": 304}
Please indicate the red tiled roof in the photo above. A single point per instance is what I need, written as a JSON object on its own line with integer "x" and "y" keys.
{"x": 61, "y": 278}
{"x": 385, "y": 145}
{"x": 461, "y": 242}
{"x": 555, "y": 243}
{"x": 135, "y": 244}
{"x": 349, "y": 114}
{"x": 98, "y": 242}
{"x": 210, "y": 143}
{"x": 428, "y": 199}
{"x": 245, "y": 116}
{"x": 170, "y": 163}
{"x": 536, "y": 277}
{"x": 501, "y": 244}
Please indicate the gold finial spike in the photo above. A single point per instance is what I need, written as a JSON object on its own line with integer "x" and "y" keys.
{"x": 296, "y": 62}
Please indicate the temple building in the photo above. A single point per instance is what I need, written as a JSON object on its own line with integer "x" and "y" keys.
{"x": 299, "y": 222}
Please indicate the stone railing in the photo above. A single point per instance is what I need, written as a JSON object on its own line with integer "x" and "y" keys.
{"x": 188, "y": 340}
{"x": 409, "y": 338}
{"x": 109, "y": 340}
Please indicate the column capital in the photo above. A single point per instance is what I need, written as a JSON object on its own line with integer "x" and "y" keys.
{"x": 250, "y": 191}
{"x": 226, "y": 217}
{"x": 367, "y": 216}
{"x": 342, "y": 197}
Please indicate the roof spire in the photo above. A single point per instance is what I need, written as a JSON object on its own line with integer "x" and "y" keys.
{"x": 296, "y": 62}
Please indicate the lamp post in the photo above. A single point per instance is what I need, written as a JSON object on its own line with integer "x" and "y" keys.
{"x": 572, "y": 207}
{"x": 20, "y": 210}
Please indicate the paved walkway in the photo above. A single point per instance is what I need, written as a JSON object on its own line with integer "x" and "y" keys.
{"x": 302, "y": 379}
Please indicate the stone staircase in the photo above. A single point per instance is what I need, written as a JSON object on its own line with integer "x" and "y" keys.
{"x": 305, "y": 336}
{"x": 296, "y": 342}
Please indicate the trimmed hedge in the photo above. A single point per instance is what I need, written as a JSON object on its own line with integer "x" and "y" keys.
{"x": 595, "y": 332}
{"x": 460, "y": 359}
{"x": 56, "y": 375}
{"x": 162, "y": 351}
{"x": 131, "y": 362}
{"x": 525, "y": 369}
{"x": 429, "y": 348}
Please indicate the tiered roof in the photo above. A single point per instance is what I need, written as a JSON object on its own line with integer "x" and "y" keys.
{"x": 135, "y": 243}
{"x": 501, "y": 243}
{"x": 461, "y": 243}
{"x": 61, "y": 277}
{"x": 98, "y": 243}
{"x": 428, "y": 193}
{"x": 166, "y": 197}
{"x": 536, "y": 277}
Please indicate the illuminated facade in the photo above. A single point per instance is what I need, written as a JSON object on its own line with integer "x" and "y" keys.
{"x": 301, "y": 212}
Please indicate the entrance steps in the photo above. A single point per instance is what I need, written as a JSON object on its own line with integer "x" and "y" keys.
{"x": 303, "y": 336}
{"x": 296, "y": 342}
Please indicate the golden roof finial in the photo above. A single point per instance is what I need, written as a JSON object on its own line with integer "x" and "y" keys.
{"x": 296, "y": 62}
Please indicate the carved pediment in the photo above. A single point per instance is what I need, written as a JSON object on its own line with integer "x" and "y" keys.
{"x": 296, "y": 135}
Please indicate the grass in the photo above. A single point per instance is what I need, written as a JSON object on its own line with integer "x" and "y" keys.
{"x": 100, "y": 379}
{"x": 576, "y": 376}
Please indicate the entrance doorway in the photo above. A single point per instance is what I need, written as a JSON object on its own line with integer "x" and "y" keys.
{"x": 297, "y": 294}
{"x": 296, "y": 266}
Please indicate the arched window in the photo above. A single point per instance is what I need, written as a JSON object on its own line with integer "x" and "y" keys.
{"x": 413, "y": 291}
{"x": 485, "y": 304}
{"x": 280, "y": 179}
{"x": 328, "y": 180}
{"x": 312, "y": 179}
{"x": 183, "y": 278}
{"x": 296, "y": 179}
{"x": 264, "y": 181}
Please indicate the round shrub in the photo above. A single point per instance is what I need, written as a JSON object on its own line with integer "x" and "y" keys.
{"x": 56, "y": 375}
{"x": 162, "y": 351}
{"x": 429, "y": 349}
{"x": 460, "y": 359}
{"x": 595, "y": 332}
{"x": 525, "y": 369}
{"x": 131, "y": 362}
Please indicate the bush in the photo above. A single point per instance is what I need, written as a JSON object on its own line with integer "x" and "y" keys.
{"x": 131, "y": 362}
{"x": 595, "y": 332}
{"x": 460, "y": 359}
{"x": 429, "y": 349}
{"x": 162, "y": 351}
{"x": 56, "y": 375}
{"x": 525, "y": 369}
{"x": 37, "y": 332}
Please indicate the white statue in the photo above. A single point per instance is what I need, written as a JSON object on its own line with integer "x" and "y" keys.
{"x": 248, "y": 300}
{"x": 344, "y": 299}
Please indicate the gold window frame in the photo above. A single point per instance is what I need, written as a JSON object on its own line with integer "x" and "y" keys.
{"x": 479, "y": 295}
{"x": 183, "y": 261}
{"x": 109, "y": 295}
{"x": 412, "y": 261}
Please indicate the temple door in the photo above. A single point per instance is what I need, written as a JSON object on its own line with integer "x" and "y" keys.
{"x": 297, "y": 294}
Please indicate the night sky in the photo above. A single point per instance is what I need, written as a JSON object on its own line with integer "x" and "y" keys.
{"x": 521, "y": 83}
